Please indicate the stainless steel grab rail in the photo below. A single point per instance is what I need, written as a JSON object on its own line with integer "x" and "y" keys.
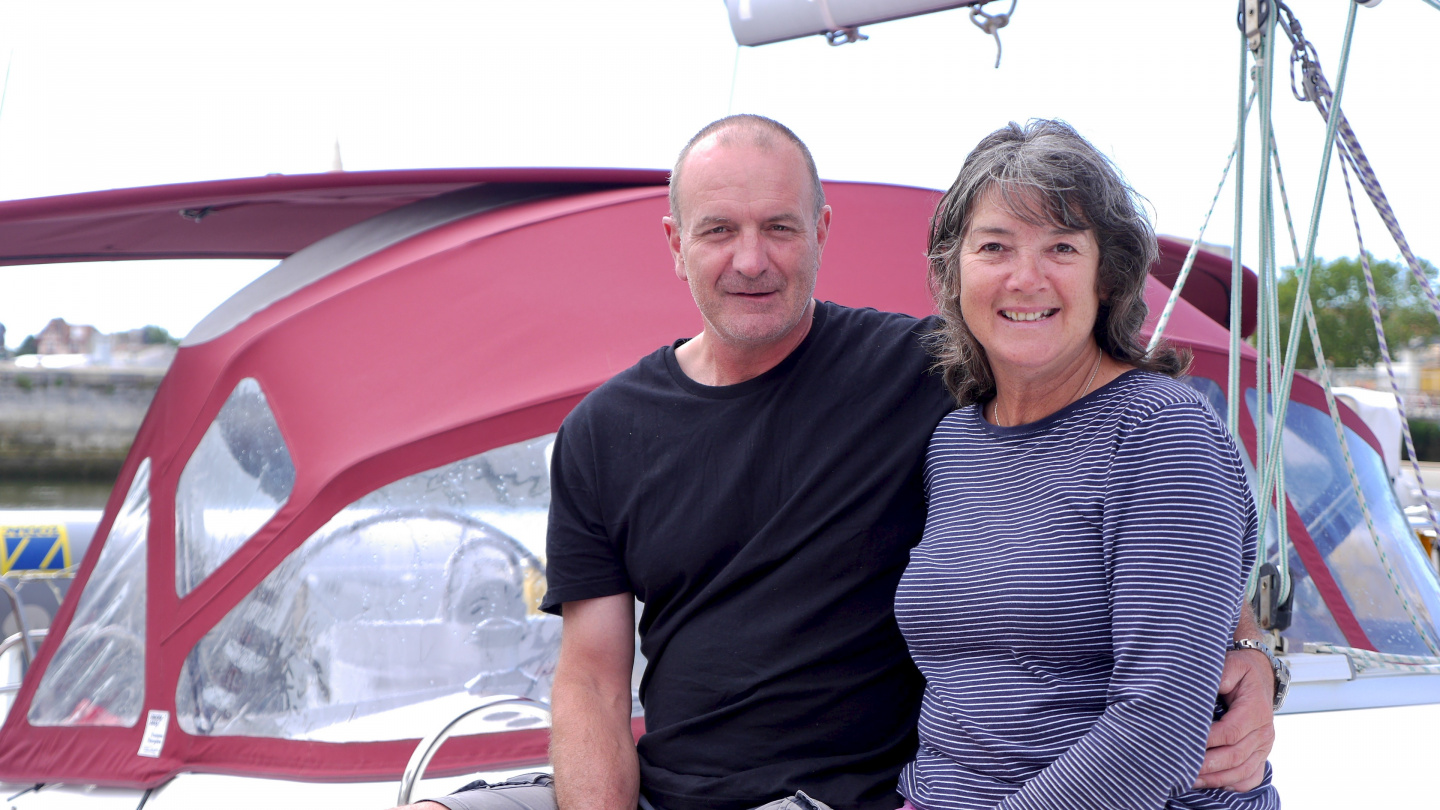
{"x": 425, "y": 751}
{"x": 7, "y": 645}
{"x": 18, "y": 609}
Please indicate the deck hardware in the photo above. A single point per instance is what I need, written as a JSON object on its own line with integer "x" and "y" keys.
{"x": 845, "y": 36}
{"x": 196, "y": 214}
{"x": 1272, "y": 612}
{"x": 1251, "y": 20}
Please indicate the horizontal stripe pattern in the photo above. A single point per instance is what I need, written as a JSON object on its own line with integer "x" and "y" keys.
{"x": 1071, "y": 601}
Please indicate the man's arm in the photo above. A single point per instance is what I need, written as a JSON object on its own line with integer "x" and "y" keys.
{"x": 1240, "y": 742}
{"x": 591, "y": 745}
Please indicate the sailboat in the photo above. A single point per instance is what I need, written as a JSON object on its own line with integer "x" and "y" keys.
{"x": 326, "y": 546}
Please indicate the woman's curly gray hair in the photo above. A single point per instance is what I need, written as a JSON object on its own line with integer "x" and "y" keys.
{"x": 1047, "y": 174}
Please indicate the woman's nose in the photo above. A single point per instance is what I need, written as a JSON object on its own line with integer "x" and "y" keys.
{"x": 1027, "y": 273}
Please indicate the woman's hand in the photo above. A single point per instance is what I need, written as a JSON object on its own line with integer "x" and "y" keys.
{"x": 1240, "y": 741}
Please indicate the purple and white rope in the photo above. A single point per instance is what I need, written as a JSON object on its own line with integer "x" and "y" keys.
{"x": 1377, "y": 319}
{"x": 1352, "y": 151}
{"x": 1308, "y": 315}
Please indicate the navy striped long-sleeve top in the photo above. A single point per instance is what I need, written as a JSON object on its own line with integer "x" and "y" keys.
{"x": 1071, "y": 601}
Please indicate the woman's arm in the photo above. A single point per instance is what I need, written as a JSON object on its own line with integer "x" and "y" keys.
{"x": 1178, "y": 521}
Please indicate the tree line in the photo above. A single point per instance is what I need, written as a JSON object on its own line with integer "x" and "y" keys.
{"x": 1342, "y": 313}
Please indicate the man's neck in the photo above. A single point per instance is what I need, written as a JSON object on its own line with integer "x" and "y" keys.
{"x": 709, "y": 360}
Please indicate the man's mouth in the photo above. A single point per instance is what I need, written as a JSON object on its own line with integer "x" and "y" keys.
{"x": 1012, "y": 315}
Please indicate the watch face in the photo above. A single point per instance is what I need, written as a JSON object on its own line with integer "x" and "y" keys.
{"x": 1282, "y": 680}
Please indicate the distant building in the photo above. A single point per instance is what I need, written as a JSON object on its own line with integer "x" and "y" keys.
{"x": 66, "y": 345}
{"x": 131, "y": 340}
{"x": 59, "y": 337}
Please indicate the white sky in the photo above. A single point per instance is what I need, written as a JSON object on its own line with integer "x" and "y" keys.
{"x": 110, "y": 94}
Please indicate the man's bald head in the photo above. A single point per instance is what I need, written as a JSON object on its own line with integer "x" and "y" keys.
{"x": 751, "y": 130}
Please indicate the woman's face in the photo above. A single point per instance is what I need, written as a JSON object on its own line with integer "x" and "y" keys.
{"x": 1028, "y": 293}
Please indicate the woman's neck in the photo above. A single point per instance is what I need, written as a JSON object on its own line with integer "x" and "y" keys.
{"x": 1020, "y": 401}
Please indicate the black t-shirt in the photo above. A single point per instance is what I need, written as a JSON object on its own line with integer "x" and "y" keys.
{"x": 764, "y": 526}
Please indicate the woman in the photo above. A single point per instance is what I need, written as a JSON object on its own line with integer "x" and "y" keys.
{"x": 1090, "y": 524}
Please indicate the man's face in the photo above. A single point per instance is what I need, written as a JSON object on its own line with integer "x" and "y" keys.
{"x": 748, "y": 242}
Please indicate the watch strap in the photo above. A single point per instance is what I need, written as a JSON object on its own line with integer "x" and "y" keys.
{"x": 1281, "y": 670}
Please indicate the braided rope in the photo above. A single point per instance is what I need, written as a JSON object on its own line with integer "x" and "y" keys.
{"x": 1351, "y": 150}
{"x": 1359, "y": 492}
{"x": 1368, "y": 659}
{"x": 1268, "y": 453}
{"x": 1334, "y": 408}
{"x": 1189, "y": 262}
{"x": 1273, "y": 313}
{"x": 1284, "y": 567}
{"x": 1293, "y": 344}
{"x": 1376, "y": 318}
{"x": 1237, "y": 270}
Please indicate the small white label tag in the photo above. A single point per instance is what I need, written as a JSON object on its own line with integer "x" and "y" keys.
{"x": 156, "y": 724}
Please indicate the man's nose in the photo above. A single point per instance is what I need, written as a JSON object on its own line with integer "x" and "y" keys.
{"x": 750, "y": 258}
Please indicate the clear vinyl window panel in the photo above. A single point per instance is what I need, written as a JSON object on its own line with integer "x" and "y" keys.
{"x": 1310, "y": 619}
{"x": 236, "y": 480}
{"x": 97, "y": 678}
{"x": 394, "y": 616}
{"x": 1319, "y": 487}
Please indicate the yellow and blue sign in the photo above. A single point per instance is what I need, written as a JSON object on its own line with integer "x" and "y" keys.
{"x": 34, "y": 548}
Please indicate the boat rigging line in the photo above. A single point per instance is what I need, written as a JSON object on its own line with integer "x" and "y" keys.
{"x": 1258, "y": 21}
{"x": 1312, "y": 86}
{"x": 1327, "y": 385}
{"x": 992, "y": 23}
{"x": 1270, "y": 449}
{"x": 1189, "y": 262}
{"x": 1373, "y": 300}
{"x": 1369, "y": 659}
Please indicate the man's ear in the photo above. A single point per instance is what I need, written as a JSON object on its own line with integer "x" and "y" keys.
{"x": 822, "y": 228}
{"x": 672, "y": 238}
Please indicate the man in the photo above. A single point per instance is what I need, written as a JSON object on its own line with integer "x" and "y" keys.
{"x": 758, "y": 488}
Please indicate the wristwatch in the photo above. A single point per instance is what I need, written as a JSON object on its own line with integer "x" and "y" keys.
{"x": 1282, "y": 672}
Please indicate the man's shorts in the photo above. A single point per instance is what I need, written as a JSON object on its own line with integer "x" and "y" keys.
{"x": 536, "y": 791}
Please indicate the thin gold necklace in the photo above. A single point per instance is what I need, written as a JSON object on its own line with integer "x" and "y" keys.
{"x": 1096, "y": 370}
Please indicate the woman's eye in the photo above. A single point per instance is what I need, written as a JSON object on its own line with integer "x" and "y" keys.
{"x": 1064, "y": 248}
{"x": 991, "y": 247}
